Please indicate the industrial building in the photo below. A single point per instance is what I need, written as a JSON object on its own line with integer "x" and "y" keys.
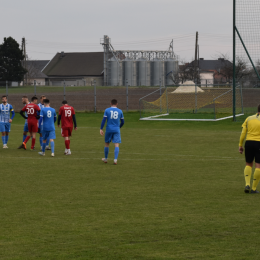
{"x": 138, "y": 67}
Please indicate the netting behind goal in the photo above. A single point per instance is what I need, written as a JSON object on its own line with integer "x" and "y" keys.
{"x": 247, "y": 46}
{"x": 191, "y": 103}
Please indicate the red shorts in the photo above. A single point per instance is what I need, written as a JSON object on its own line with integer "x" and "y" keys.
{"x": 66, "y": 131}
{"x": 33, "y": 127}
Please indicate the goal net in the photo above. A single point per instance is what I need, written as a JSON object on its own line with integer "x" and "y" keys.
{"x": 247, "y": 42}
{"x": 192, "y": 103}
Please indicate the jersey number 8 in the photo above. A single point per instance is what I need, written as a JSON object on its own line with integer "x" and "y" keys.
{"x": 49, "y": 113}
{"x": 114, "y": 114}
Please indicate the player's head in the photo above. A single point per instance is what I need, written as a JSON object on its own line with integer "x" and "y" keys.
{"x": 64, "y": 102}
{"x": 42, "y": 98}
{"x": 25, "y": 100}
{"x": 4, "y": 99}
{"x": 113, "y": 102}
{"x": 258, "y": 108}
{"x": 34, "y": 100}
{"x": 46, "y": 102}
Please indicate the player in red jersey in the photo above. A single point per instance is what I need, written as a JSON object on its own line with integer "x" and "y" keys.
{"x": 67, "y": 118}
{"x": 32, "y": 111}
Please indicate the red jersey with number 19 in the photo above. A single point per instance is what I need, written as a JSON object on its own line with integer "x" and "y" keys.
{"x": 66, "y": 112}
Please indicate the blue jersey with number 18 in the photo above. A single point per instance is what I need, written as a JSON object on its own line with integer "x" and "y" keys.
{"x": 48, "y": 114}
{"x": 113, "y": 115}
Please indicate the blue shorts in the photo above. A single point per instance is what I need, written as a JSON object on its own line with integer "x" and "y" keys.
{"x": 114, "y": 137}
{"x": 25, "y": 128}
{"x": 48, "y": 135}
{"x": 5, "y": 127}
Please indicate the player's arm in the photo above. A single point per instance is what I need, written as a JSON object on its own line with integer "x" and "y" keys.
{"x": 103, "y": 124}
{"x": 122, "y": 120}
{"x": 59, "y": 117}
{"x": 242, "y": 137}
{"x": 38, "y": 111}
{"x": 55, "y": 117}
{"x": 74, "y": 121}
{"x": 22, "y": 113}
{"x": 13, "y": 114}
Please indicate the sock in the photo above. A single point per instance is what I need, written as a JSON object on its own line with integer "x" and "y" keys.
{"x": 27, "y": 139}
{"x": 43, "y": 147}
{"x": 52, "y": 147}
{"x": 3, "y": 139}
{"x": 106, "y": 150}
{"x": 47, "y": 142}
{"x": 33, "y": 143}
{"x": 116, "y": 152}
{"x": 256, "y": 178}
{"x": 247, "y": 174}
{"x": 6, "y": 139}
{"x": 24, "y": 137}
{"x": 41, "y": 141}
{"x": 67, "y": 144}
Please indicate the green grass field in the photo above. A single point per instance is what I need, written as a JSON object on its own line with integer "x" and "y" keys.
{"x": 176, "y": 193}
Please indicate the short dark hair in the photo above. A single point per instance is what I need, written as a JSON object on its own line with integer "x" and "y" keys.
{"x": 43, "y": 96}
{"x": 33, "y": 98}
{"x": 25, "y": 97}
{"x": 258, "y": 108}
{"x": 4, "y": 96}
{"x": 113, "y": 102}
{"x": 64, "y": 102}
{"x": 46, "y": 101}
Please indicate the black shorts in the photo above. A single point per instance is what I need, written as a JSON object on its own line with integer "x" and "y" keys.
{"x": 252, "y": 151}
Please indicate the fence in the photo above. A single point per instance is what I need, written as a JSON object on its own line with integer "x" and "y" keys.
{"x": 82, "y": 98}
{"x": 96, "y": 98}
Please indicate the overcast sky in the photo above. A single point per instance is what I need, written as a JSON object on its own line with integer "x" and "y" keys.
{"x": 52, "y": 26}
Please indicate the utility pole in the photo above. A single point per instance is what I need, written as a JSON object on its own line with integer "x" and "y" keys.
{"x": 106, "y": 54}
{"x": 24, "y": 61}
{"x": 196, "y": 56}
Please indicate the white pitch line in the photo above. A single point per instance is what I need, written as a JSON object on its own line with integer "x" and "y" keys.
{"x": 121, "y": 159}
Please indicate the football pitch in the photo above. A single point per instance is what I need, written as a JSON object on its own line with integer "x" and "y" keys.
{"x": 176, "y": 193}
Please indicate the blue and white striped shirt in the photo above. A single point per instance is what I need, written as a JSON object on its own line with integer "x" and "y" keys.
{"x": 5, "y": 113}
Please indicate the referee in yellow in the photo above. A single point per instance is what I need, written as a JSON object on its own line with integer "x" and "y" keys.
{"x": 251, "y": 130}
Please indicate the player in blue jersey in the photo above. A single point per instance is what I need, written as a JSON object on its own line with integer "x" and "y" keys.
{"x": 48, "y": 118}
{"x": 41, "y": 105}
{"x": 25, "y": 101}
{"x": 115, "y": 120}
{"x": 5, "y": 120}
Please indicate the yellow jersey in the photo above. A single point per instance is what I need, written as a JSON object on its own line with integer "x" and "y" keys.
{"x": 251, "y": 128}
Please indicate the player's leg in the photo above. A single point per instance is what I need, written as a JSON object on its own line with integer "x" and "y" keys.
{"x": 3, "y": 139}
{"x": 7, "y": 130}
{"x": 25, "y": 131}
{"x": 108, "y": 138}
{"x": 2, "y": 130}
{"x": 52, "y": 136}
{"x": 6, "y": 138}
{"x": 47, "y": 144}
{"x": 256, "y": 178}
{"x": 116, "y": 140}
{"x": 33, "y": 139}
{"x": 30, "y": 128}
{"x": 250, "y": 156}
{"x": 44, "y": 140}
{"x": 67, "y": 135}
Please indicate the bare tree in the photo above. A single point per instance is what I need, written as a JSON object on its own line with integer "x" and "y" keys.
{"x": 226, "y": 70}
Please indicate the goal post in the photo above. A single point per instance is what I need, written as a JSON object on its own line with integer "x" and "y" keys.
{"x": 191, "y": 103}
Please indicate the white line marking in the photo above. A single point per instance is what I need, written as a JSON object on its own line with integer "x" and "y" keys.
{"x": 121, "y": 159}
